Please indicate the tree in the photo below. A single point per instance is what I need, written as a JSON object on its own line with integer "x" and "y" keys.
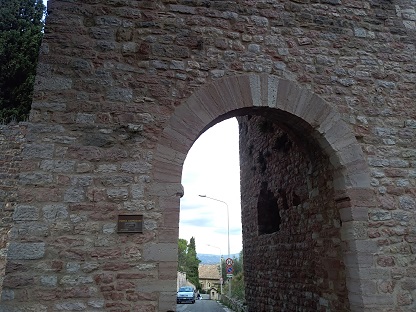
{"x": 192, "y": 264}
{"x": 188, "y": 261}
{"x": 237, "y": 286}
{"x": 21, "y": 26}
{"x": 238, "y": 263}
{"x": 237, "y": 282}
{"x": 182, "y": 249}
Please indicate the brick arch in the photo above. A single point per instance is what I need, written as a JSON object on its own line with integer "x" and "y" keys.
{"x": 216, "y": 101}
{"x": 224, "y": 98}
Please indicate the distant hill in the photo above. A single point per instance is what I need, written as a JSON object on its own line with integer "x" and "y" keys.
{"x": 213, "y": 259}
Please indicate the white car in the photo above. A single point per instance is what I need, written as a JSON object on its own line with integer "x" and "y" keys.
{"x": 185, "y": 294}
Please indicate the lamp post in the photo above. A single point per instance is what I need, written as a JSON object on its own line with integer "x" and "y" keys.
{"x": 220, "y": 266}
{"x": 228, "y": 233}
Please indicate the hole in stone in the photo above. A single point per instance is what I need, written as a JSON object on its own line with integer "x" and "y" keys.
{"x": 268, "y": 211}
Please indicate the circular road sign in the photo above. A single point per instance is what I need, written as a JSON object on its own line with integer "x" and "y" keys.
{"x": 229, "y": 261}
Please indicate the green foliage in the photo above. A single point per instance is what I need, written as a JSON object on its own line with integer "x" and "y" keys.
{"x": 182, "y": 249}
{"x": 188, "y": 262}
{"x": 238, "y": 263}
{"x": 237, "y": 286}
{"x": 192, "y": 263}
{"x": 21, "y": 25}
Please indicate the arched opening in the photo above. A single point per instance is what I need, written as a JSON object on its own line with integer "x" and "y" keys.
{"x": 210, "y": 210}
{"x": 297, "y": 112}
{"x": 212, "y": 169}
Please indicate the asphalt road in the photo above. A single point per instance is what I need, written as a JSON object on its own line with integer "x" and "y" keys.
{"x": 201, "y": 306}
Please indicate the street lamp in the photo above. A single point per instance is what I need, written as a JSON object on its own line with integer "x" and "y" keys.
{"x": 228, "y": 233}
{"x": 220, "y": 265}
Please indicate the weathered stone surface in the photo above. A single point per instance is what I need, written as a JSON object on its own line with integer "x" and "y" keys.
{"x": 35, "y": 178}
{"x": 6, "y": 307}
{"x": 49, "y": 281}
{"x": 57, "y": 165}
{"x": 26, "y": 251}
{"x": 123, "y": 90}
{"x": 25, "y": 213}
{"x": 55, "y": 212}
{"x": 75, "y": 280}
{"x": 290, "y": 208}
{"x": 161, "y": 252}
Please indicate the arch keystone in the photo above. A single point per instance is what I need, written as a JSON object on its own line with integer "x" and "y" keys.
{"x": 255, "y": 87}
{"x": 272, "y": 90}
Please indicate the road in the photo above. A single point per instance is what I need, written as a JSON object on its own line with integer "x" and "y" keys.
{"x": 201, "y": 306}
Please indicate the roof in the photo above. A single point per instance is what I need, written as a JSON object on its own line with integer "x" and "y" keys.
{"x": 209, "y": 271}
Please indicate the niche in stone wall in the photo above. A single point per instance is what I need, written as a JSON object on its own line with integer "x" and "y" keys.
{"x": 280, "y": 167}
{"x": 267, "y": 211}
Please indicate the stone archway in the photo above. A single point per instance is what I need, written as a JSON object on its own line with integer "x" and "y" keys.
{"x": 230, "y": 97}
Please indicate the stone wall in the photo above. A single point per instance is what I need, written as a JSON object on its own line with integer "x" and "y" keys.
{"x": 12, "y": 138}
{"x": 293, "y": 253}
{"x": 123, "y": 90}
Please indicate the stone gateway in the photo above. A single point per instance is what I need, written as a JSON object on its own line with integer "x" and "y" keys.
{"x": 324, "y": 92}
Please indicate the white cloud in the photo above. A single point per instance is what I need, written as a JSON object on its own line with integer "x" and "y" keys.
{"x": 212, "y": 169}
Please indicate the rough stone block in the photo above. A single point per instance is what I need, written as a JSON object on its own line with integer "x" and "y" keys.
{"x": 53, "y": 83}
{"x": 156, "y": 285}
{"x": 167, "y": 189}
{"x": 255, "y": 87}
{"x": 54, "y": 212}
{"x": 168, "y": 270}
{"x": 11, "y": 307}
{"x": 167, "y": 301}
{"x": 354, "y": 214}
{"x": 160, "y": 252}
{"x": 352, "y": 230}
{"x": 25, "y": 213}
{"x": 25, "y": 251}
{"x": 35, "y": 178}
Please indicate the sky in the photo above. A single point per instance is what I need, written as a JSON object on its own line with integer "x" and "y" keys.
{"x": 212, "y": 168}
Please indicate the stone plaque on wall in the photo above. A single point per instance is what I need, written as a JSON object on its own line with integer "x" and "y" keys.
{"x": 130, "y": 224}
